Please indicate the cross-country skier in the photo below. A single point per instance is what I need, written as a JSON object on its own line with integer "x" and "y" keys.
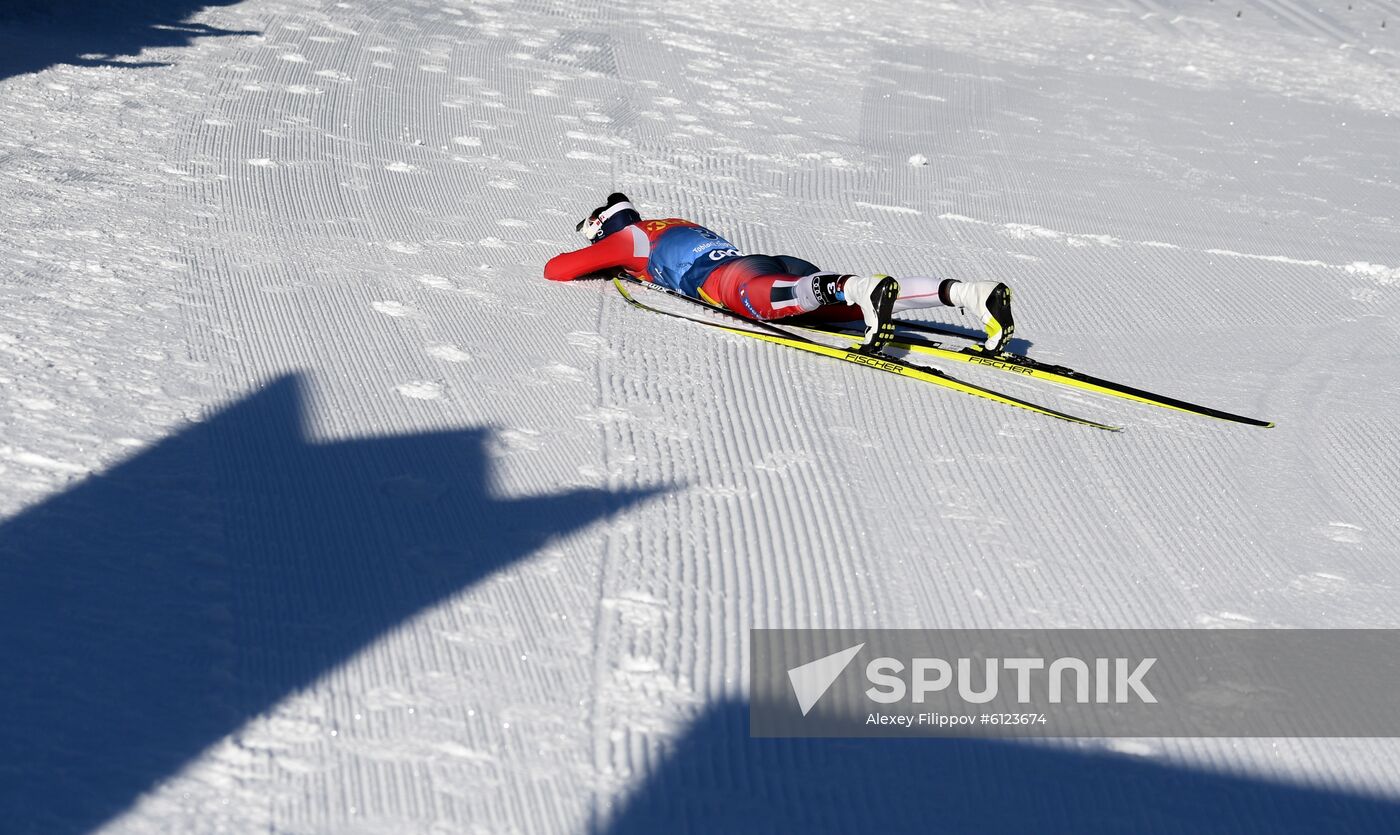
{"x": 692, "y": 260}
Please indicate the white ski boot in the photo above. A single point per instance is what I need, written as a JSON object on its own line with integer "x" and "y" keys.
{"x": 991, "y": 302}
{"x": 875, "y": 296}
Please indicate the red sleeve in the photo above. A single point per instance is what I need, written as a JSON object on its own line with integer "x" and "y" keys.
{"x": 616, "y": 250}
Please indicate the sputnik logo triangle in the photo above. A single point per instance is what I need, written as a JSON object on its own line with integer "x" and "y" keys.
{"x": 811, "y": 681}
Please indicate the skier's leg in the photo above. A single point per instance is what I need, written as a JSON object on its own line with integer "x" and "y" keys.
{"x": 797, "y": 266}
{"x": 918, "y": 291}
{"x": 915, "y": 292}
{"x": 765, "y": 287}
{"x": 989, "y": 301}
{"x": 758, "y": 287}
{"x": 753, "y": 286}
{"x": 826, "y": 313}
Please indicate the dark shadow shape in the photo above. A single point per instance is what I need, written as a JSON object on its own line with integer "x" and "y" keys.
{"x": 38, "y": 34}
{"x": 1014, "y": 345}
{"x": 153, "y": 609}
{"x": 717, "y": 779}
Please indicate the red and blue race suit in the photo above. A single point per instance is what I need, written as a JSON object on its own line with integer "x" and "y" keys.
{"x": 693, "y": 260}
{"x": 674, "y": 253}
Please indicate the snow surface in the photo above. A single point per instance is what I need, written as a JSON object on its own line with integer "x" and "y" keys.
{"x": 325, "y": 513}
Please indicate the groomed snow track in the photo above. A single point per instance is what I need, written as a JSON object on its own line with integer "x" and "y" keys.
{"x": 420, "y": 542}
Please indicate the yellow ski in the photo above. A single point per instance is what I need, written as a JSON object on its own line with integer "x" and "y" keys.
{"x": 1027, "y": 367}
{"x": 779, "y": 336}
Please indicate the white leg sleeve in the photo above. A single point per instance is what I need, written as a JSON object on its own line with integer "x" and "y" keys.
{"x": 804, "y": 291}
{"x": 916, "y": 291}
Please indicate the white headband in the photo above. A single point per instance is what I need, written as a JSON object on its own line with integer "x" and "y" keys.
{"x": 614, "y": 209}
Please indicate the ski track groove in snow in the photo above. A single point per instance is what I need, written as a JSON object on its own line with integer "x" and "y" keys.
{"x": 315, "y": 331}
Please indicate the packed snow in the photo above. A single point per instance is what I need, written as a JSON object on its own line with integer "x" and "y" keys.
{"x": 324, "y": 512}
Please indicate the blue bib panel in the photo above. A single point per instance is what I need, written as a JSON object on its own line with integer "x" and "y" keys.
{"x": 682, "y": 257}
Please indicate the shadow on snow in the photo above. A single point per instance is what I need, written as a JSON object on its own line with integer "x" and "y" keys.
{"x": 717, "y": 779}
{"x": 153, "y": 609}
{"x": 37, "y": 34}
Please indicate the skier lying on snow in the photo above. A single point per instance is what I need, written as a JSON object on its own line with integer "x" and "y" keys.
{"x": 692, "y": 260}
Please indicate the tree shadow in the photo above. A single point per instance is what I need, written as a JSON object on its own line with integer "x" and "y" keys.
{"x": 38, "y": 34}
{"x": 719, "y": 780}
{"x": 151, "y": 610}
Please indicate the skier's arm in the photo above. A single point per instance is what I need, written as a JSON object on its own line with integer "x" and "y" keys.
{"x": 628, "y": 248}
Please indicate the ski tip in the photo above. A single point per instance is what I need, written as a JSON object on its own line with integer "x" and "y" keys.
{"x": 1107, "y": 427}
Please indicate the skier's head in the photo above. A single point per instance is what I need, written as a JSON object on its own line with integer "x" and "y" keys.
{"x": 616, "y": 214}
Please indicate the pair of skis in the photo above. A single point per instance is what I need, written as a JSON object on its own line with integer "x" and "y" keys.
{"x": 918, "y": 343}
